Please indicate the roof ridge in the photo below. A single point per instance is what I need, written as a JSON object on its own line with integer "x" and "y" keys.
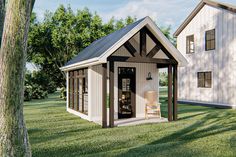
{"x": 221, "y": 3}
{"x": 202, "y": 3}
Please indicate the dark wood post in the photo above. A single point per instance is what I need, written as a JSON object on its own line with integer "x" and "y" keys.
{"x": 69, "y": 90}
{"x": 175, "y": 93}
{"x": 111, "y": 94}
{"x": 170, "y": 115}
{"x": 76, "y": 92}
{"x": 143, "y": 43}
{"x": 104, "y": 95}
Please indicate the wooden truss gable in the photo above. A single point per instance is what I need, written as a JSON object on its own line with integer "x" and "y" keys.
{"x": 142, "y": 55}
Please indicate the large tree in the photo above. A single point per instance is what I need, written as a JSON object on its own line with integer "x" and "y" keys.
{"x": 62, "y": 35}
{"x": 13, "y": 133}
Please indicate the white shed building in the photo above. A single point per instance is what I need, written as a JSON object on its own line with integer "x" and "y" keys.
{"x": 121, "y": 67}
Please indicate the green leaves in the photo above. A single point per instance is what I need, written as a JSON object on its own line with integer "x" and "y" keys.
{"x": 167, "y": 33}
{"x": 62, "y": 35}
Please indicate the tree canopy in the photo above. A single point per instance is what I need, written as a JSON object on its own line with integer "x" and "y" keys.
{"x": 62, "y": 34}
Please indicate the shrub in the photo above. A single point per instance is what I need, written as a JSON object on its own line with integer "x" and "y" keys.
{"x": 163, "y": 79}
{"x": 37, "y": 86}
{"x": 28, "y": 93}
{"x": 40, "y": 78}
{"x": 38, "y": 92}
{"x": 63, "y": 93}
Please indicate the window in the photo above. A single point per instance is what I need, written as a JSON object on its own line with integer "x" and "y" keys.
{"x": 210, "y": 40}
{"x": 204, "y": 79}
{"x": 190, "y": 44}
{"x": 78, "y": 90}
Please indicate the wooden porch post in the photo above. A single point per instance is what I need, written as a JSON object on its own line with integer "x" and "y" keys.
{"x": 104, "y": 95}
{"x": 170, "y": 115}
{"x": 175, "y": 94}
{"x": 111, "y": 94}
{"x": 143, "y": 43}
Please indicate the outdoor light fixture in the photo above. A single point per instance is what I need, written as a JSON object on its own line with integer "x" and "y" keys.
{"x": 149, "y": 76}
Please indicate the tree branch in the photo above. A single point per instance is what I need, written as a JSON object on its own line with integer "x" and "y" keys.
{"x": 58, "y": 64}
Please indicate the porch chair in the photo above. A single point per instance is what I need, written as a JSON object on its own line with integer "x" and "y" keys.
{"x": 152, "y": 104}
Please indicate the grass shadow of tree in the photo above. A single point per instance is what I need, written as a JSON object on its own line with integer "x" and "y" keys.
{"x": 212, "y": 123}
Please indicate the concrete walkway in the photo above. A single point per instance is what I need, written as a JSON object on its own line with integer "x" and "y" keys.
{"x": 137, "y": 121}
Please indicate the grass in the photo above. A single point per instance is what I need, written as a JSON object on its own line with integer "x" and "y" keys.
{"x": 200, "y": 131}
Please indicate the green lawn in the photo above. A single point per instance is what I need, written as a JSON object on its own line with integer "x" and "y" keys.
{"x": 200, "y": 131}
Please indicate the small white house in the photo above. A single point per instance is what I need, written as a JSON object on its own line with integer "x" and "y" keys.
{"x": 117, "y": 69}
{"x": 207, "y": 38}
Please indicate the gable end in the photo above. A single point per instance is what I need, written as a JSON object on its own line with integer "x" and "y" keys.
{"x": 228, "y": 7}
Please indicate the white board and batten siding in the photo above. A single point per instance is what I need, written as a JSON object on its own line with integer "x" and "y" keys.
{"x": 221, "y": 61}
{"x": 95, "y": 93}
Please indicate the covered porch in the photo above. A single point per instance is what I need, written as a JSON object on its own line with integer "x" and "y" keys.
{"x": 147, "y": 51}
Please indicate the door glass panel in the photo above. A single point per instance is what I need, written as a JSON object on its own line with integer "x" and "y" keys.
{"x": 126, "y": 92}
{"x": 125, "y": 100}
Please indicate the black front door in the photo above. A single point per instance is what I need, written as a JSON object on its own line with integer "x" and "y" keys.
{"x": 126, "y": 93}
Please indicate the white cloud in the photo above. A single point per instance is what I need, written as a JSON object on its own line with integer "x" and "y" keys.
{"x": 164, "y": 12}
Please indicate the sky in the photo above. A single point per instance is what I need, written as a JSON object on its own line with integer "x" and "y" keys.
{"x": 164, "y": 12}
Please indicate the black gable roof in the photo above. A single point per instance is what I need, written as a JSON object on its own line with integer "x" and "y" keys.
{"x": 100, "y": 46}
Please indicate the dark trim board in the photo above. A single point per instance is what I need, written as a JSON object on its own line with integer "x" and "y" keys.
{"x": 141, "y": 60}
{"x": 205, "y": 104}
{"x": 111, "y": 94}
{"x": 104, "y": 95}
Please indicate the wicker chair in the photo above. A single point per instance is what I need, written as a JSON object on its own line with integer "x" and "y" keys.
{"x": 152, "y": 104}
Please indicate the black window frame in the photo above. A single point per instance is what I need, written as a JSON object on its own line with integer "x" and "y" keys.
{"x": 204, "y": 81}
{"x": 210, "y": 38}
{"x": 188, "y": 44}
{"x": 78, "y": 82}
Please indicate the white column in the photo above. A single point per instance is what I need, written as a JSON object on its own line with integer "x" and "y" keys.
{"x": 90, "y": 93}
{"x": 67, "y": 90}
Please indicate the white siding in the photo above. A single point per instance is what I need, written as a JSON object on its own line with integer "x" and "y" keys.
{"x": 122, "y": 51}
{"x": 95, "y": 83}
{"x": 220, "y": 61}
{"x": 142, "y": 84}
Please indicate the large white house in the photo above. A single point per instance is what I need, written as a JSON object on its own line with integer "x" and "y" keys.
{"x": 207, "y": 38}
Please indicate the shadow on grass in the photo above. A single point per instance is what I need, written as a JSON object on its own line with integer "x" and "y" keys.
{"x": 212, "y": 123}
{"x": 62, "y": 134}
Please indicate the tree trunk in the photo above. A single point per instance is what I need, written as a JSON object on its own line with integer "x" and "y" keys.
{"x": 2, "y": 15}
{"x": 13, "y": 133}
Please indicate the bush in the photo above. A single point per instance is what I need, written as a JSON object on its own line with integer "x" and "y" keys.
{"x": 37, "y": 86}
{"x": 28, "y": 93}
{"x": 40, "y": 78}
{"x": 38, "y": 92}
{"x": 63, "y": 93}
{"x": 163, "y": 79}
